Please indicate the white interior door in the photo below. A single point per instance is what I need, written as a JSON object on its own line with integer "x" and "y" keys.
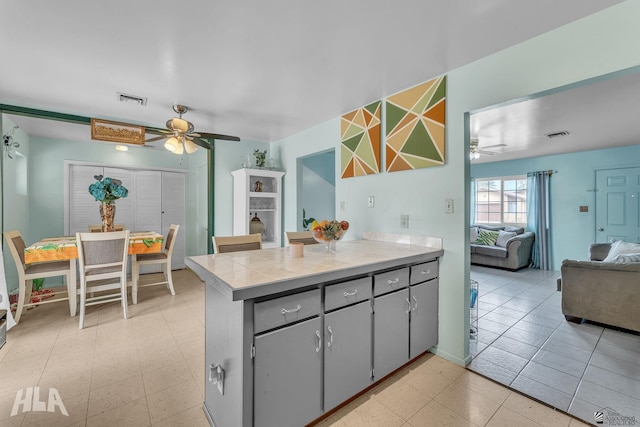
{"x": 173, "y": 212}
{"x": 617, "y": 205}
{"x": 83, "y": 210}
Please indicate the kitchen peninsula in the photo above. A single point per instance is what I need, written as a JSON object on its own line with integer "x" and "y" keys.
{"x": 288, "y": 339}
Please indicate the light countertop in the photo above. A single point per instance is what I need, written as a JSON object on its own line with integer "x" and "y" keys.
{"x": 252, "y": 274}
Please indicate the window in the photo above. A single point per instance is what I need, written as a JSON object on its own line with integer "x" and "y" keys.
{"x": 501, "y": 200}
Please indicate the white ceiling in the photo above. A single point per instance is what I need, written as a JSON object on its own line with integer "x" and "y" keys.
{"x": 601, "y": 113}
{"x": 261, "y": 70}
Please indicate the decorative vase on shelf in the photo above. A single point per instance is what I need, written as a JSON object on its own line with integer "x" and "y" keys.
{"x": 107, "y": 213}
{"x": 255, "y": 225}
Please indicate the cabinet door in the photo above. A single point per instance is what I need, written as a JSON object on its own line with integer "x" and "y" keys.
{"x": 173, "y": 212}
{"x": 347, "y": 353}
{"x": 288, "y": 375}
{"x": 391, "y": 332}
{"x": 424, "y": 317}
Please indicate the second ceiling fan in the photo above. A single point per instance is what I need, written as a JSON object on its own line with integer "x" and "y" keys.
{"x": 181, "y": 136}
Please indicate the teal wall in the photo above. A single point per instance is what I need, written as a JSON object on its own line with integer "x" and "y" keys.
{"x": 571, "y": 230}
{"x": 596, "y": 45}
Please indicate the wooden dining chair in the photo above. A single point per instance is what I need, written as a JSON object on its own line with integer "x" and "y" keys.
{"x": 28, "y": 272}
{"x": 162, "y": 258}
{"x": 102, "y": 258}
{"x": 304, "y": 237}
{"x": 248, "y": 242}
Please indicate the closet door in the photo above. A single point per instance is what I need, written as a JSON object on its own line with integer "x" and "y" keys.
{"x": 125, "y": 208}
{"x": 173, "y": 212}
{"x": 148, "y": 201}
{"x": 83, "y": 209}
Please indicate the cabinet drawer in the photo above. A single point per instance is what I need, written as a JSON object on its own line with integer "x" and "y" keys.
{"x": 281, "y": 311}
{"x": 342, "y": 294}
{"x": 423, "y": 272}
{"x": 390, "y": 281}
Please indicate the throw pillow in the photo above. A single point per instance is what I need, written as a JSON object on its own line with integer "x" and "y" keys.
{"x": 473, "y": 234}
{"x": 620, "y": 247}
{"x": 627, "y": 258}
{"x": 487, "y": 238}
{"x": 505, "y": 236}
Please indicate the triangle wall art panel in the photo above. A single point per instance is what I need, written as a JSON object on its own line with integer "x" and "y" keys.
{"x": 360, "y": 139}
{"x": 415, "y": 127}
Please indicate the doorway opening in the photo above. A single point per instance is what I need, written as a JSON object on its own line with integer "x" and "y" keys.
{"x": 316, "y": 176}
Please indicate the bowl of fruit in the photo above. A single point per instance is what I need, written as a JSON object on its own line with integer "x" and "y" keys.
{"x": 329, "y": 232}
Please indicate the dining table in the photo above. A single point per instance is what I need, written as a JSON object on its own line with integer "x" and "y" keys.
{"x": 65, "y": 248}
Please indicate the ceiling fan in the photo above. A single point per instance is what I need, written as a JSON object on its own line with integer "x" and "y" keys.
{"x": 181, "y": 137}
{"x": 475, "y": 151}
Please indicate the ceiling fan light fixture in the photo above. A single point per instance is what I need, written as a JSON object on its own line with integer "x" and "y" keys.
{"x": 189, "y": 146}
{"x": 178, "y": 124}
{"x": 172, "y": 145}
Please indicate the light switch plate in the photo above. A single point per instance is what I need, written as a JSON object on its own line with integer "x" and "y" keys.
{"x": 404, "y": 221}
{"x": 448, "y": 206}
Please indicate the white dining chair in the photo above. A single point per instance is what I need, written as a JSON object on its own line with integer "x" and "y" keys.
{"x": 304, "y": 237}
{"x": 247, "y": 242}
{"x": 28, "y": 272}
{"x": 102, "y": 258}
{"x": 162, "y": 258}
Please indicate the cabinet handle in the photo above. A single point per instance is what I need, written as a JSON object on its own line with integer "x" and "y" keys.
{"x": 394, "y": 281}
{"x": 426, "y": 272}
{"x": 416, "y": 306}
{"x": 284, "y": 311}
{"x": 330, "y": 336}
{"x": 408, "y": 302}
{"x": 319, "y": 341}
{"x": 350, "y": 294}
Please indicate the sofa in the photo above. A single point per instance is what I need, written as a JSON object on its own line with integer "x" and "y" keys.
{"x": 511, "y": 249}
{"x": 602, "y": 291}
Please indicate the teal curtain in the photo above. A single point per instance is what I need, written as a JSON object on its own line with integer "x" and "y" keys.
{"x": 538, "y": 219}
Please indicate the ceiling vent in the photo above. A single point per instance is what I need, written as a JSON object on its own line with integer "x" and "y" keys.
{"x": 557, "y": 134}
{"x": 123, "y": 97}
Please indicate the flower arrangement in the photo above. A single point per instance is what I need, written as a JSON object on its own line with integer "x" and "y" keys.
{"x": 107, "y": 190}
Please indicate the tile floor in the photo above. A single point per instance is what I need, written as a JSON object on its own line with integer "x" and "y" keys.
{"x": 147, "y": 370}
{"x": 524, "y": 342}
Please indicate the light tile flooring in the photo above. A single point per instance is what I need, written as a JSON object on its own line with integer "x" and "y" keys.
{"x": 148, "y": 370}
{"x": 523, "y": 341}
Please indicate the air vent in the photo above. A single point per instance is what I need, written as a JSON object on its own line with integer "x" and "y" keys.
{"x": 557, "y": 134}
{"x": 123, "y": 97}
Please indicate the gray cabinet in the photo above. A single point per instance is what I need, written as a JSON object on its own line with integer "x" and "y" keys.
{"x": 424, "y": 317}
{"x": 347, "y": 352}
{"x": 390, "y": 332}
{"x": 288, "y": 375}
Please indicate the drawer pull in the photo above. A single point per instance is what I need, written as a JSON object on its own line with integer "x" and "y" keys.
{"x": 319, "y": 341}
{"x": 350, "y": 294}
{"x": 426, "y": 272}
{"x": 394, "y": 281}
{"x": 416, "y": 306}
{"x": 330, "y": 336}
{"x": 408, "y": 302}
{"x": 284, "y": 311}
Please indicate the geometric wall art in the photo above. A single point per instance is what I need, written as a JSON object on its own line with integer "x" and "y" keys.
{"x": 360, "y": 132}
{"x": 415, "y": 127}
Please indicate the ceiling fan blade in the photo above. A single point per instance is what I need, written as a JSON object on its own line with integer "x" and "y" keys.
{"x": 493, "y": 146}
{"x": 487, "y": 153}
{"x": 201, "y": 142}
{"x": 157, "y": 138}
{"x": 218, "y": 136}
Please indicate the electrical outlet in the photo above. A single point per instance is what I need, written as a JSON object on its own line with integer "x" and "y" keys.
{"x": 371, "y": 202}
{"x": 448, "y": 206}
{"x": 404, "y": 221}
